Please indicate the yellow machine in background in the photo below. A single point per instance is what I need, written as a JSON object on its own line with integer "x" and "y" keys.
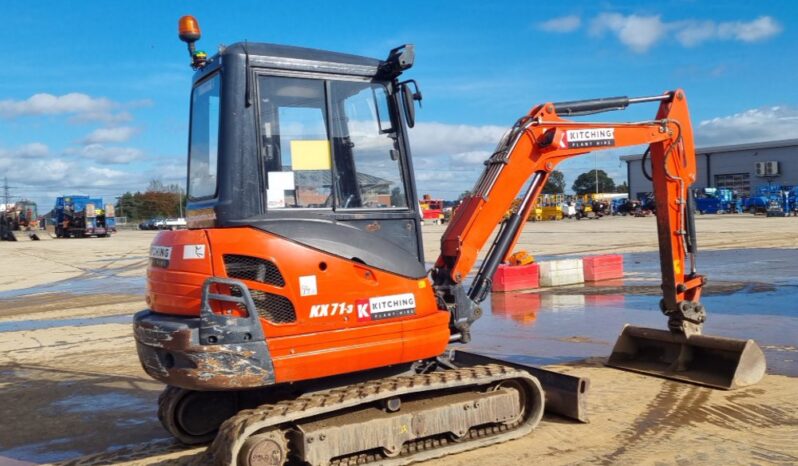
{"x": 550, "y": 206}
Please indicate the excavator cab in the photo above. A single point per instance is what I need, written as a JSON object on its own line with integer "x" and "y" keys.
{"x": 311, "y": 147}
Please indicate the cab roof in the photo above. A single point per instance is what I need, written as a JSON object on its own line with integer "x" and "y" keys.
{"x": 287, "y": 57}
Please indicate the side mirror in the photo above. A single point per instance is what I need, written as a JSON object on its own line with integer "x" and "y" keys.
{"x": 409, "y": 105}
{"x": 408, "y": 97}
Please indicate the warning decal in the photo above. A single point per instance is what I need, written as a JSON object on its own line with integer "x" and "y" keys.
{"x": 593, "y": 137}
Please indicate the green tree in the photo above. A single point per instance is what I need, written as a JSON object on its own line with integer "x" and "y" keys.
{"x": 397, "y": 197}
{"x": 128, "y": 205}
{"x": 159, "y": 200}
{"x": 622, "y": 188}
{"x": 555, "y": 184}
{"x": 463, "y": 195}
{"x": 586, "y": 183}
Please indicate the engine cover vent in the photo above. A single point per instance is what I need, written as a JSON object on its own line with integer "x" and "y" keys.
{"x": 253, "y": 268}
{"x": 272, "y": 307}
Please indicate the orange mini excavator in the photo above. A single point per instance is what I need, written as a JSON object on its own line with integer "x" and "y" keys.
{"x": 296, "y": 321}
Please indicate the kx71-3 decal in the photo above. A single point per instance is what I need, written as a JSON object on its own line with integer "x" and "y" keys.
{"x": 375, "y": 308}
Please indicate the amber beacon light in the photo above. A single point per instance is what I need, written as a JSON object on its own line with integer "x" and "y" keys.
{"x": 189, "y": 32}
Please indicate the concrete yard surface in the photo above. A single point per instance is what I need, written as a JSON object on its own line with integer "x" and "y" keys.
{"x": 72, "y": 389}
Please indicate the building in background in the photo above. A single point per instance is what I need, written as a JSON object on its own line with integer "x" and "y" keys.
{"x": 740, "y": 167}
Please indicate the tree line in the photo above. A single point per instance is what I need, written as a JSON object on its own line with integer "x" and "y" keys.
{"x": 158, "y": 200}
{"x": 584, "y": 184}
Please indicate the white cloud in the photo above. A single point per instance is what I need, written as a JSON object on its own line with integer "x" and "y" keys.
{"x": 104, "y": 177}
{"x": 42, "y": 179}
{"x": 33, "y": 150}
{"x": 82, "y": 107}
{"x": 116, "y": 134}
{"x": 568, "y": 23}
{"x": 758, "y": 124}
{"x": 640, "y": 33}
{"x": 692, "y": 33}
{"x": 449, "y": 158}
{"x": 35, "y": 172}
{"x": 107, "y": 154}
{"x": 476, "y": 157}
{"x": 761, "y": 28}
{"x": 48, "y": 104}
{"x": 436, "y": 139}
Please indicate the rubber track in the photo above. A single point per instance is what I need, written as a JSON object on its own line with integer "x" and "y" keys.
{"x": 238, "y": 428}
{"x": 416, "y": 446}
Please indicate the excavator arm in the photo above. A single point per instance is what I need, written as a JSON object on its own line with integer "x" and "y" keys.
{"x": 521, "y": 164}
{"x": 523, "y": 161}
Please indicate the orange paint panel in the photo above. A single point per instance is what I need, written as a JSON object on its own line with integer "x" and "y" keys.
{"x": 319, "y": 355}
{"x": 425, "y": 336}
{"x": 340, "y": 284}
{"x": 331, "y": 334}
{"x": 176, "y": 289}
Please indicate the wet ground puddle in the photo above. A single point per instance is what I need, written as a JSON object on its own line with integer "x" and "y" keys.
{"x": 751, "y": 294}
{"x": 27, "y": 325}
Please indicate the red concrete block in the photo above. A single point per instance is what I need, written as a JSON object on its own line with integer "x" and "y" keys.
{"x": 516, "y": 277}
{"x": 607, "y": 267}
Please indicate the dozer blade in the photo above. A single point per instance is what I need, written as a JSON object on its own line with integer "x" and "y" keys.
{"x": 718, "y": 362}
{"x": 566, "y": 395}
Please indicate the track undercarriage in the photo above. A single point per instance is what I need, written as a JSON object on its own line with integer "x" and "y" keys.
{"x": 393, "y": 420}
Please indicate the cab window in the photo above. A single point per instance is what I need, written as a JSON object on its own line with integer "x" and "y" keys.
{"x": 295, "y": 143}
{"x": 355, "y": 166}
{"x": 204, "y": 138}
{"x": 366, "y": 159}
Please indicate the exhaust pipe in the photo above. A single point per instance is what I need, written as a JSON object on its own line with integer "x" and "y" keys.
{"x": 718, "y": 362}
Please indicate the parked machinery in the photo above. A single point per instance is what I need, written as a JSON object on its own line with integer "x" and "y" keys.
{"x": 82, "y": 216}
{"x": 771, "y": 199}
{"x": 432, "y": 209}
{"x": 717, "y": 201}
{"x": 792, "y": 201}
{"x": 19, "y": 220}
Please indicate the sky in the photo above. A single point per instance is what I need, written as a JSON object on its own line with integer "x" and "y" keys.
{"x": 94, "y": 95}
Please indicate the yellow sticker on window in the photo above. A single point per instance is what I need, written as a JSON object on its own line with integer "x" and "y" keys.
{"x": 310, "y": 155}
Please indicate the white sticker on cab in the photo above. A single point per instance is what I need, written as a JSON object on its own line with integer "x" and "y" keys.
{"x": 193, "y": 251}
{"x": 307, "y": 285}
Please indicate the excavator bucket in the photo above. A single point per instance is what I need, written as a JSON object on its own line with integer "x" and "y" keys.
{"x": 718, "y": 362}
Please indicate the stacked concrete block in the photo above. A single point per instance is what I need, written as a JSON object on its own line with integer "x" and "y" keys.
{"x": 516, "y": 277}
{"x": 561, "y": 272}
{"x": 600, "y": 268}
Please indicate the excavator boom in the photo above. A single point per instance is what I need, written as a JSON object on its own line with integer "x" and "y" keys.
{"x": 523, "y": 161}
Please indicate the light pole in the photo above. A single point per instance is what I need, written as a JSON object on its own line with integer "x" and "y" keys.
{"x": 595, "y": 169}
{"x": 180, "y": 201}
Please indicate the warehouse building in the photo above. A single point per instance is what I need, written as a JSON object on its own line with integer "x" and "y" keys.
{"x": 741, "y": 167}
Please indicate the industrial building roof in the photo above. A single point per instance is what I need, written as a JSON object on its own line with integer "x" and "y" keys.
{"x": 730, "y": 148}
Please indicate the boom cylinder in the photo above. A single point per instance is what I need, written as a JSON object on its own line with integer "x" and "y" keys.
{"x": 479, "y": 289}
